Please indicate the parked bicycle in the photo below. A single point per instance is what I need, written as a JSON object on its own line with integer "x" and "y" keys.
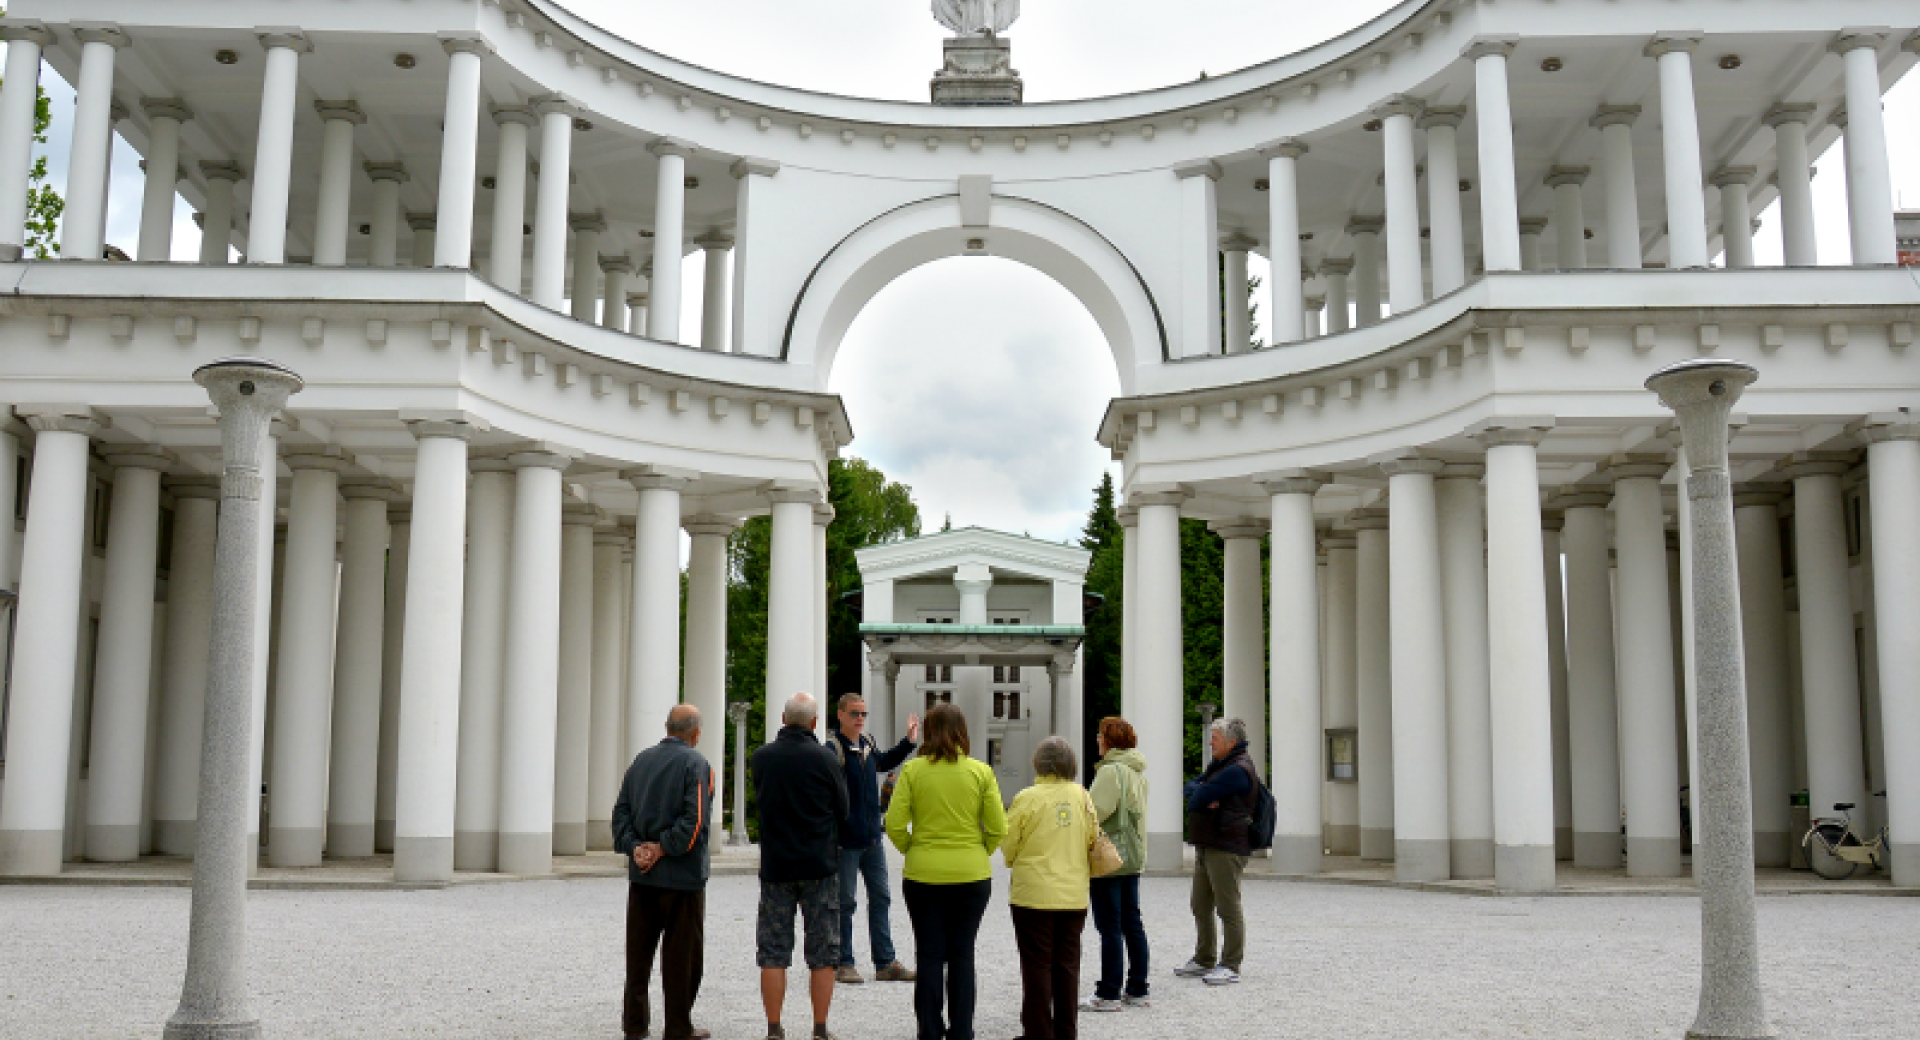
{"x": 1835, "y": 850}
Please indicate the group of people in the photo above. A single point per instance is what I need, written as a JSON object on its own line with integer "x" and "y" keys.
{"x": 821, "y": 822}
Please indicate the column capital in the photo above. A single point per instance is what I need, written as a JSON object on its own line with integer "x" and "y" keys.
{"x": 1127, "y": 516}
{"x": 1854, "y": 37}
{"x": 1564, "y": 175}
{"x": 1450, "y": 116}
{"x": 222, "y": 170}
{"x": 1684, "y": 41}
{"x": 454, "y": 424}
{"x": 138, "y": 456}
{"x": 613, "y": 537}
{"x": 62, "y": 418}
{"x": 650, "y": 477}
{"x": 504, "y": 114}
{"x": 1889, "y": 426}
{"x": 1729, "y": 176}
{"x": 1161, "y": 496}
{"x": 1463, "y": 471}
{"x": 1239, "y": 527}
{"x": 579, "y": 514}
{"x": 1336, "y": 268}
{"x": 1405, "y": 461}
{"x": 1839, "y": 116}
{"x": 1061, "y": 665}
{"x": 715, "y": 239}
{"x": 1815, "y": 464}
{"x": 666, "y": 146}
{"x": 326, "y": 457}
{"x": 1370, "y": 518}
{"x": 1758, "y": 495}
{"x": 823, "y": 514}
{"x": 292, "y": 38}
{"x": 748, "y": 166}
{"x": 636, "y": 299}
{"x": 709, "y": 524}
{"x": 1637, "y": 466}
{"x": 1291, "y": 482}
{"x": 543, "y": 455}
{"x": 422, "y": 221}
{"x": 1284, "y": 148}
{"x": 1614, "y": 115}
{"x": 1398, "y": 105}
{"x": 166, "y": 108}
{"x": 108, "y": 33}
{"x": 26, "y": 30}
{"x": 1503, "y": 430}
{"x": 1314, "y": 303}
{"x": 341, "y": 111}
{"x": 556, "y": 105}
{"x": 1576, "y": 497}
{"x": 1489, "y": 46}
{"x": 1238, "y": 242}
{"x": 456, "y": 42}
{"x": 388, "y": 171}
{"x": 1334, "y": 541}
{"x": 594, "y": 222}
{"x": 1533, "y": 225}
{"x": 804, "y": 494}
{"x": 206, "y": 488}
{"x": 1363, "y": 225}
{"x": 118, "y": 113}
{"x": 616, "y": 265}
{"x": 369, "y": 488}
{"x": 1789, "y": 112}
{"x": 1197, "y": 168}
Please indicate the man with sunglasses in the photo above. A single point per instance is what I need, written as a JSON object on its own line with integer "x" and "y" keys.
{"x": 862, "y": 838}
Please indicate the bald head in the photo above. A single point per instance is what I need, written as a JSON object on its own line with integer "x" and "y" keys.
{"x": 801, "y": 710}
{"x": 683, "y": 722}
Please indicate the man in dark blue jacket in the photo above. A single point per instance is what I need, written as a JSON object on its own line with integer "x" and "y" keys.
{"x": 862, "y": 845}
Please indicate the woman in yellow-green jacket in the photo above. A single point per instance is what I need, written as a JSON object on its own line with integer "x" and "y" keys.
{"x": 946, "y": 817}
{"x": 1050, "y": 829}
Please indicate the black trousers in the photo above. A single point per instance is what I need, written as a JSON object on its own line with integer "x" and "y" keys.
{"x": 671, "y": 923}
{"x": 946, "y": 921}
{"x": 1049, "y": 942}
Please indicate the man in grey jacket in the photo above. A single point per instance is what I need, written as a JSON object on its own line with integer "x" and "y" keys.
{"x": 660, "y": 823}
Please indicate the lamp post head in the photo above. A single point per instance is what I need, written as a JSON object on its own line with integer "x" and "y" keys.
{"x": 1702, "y": 393}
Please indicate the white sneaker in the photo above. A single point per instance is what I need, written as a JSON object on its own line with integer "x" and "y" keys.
{"x": 1192, "y": 970}
{"x": 1221, "y": 976}
{"x": 1136, "y": 1002}
{"x": 1099, "y": 1004}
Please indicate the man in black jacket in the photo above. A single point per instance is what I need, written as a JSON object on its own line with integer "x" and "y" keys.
{"x": 862, "y": 838}
{"x": 1219, "y": 816}
{"x": 802, "y": 797}
{"x": 660, "y": 823}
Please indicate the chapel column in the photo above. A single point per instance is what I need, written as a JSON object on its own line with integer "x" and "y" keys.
{"x": 83, "y": 224}
{"x": 637, "y": 313}
{"x": 1531, "y": 228}
{"x": 1869, "y": 178}
{"x": 1310, "y": 317}
{"x": 573, "y": 736}
{"x": 615, "y": 270}
{"x": 1829, "y": 671}
{"x": 1615, "y": 123}
{"x": 273, "y": 158}
{"x": 506, "y": 257}
{"x": 392, "y": 652}
{"x": 1448, "y": 240}
{"x": 669, "y": 234}
{"x": 489, "y": 535}
{"x": 753, "y": 177}
{"x": 1592, "y": 713}
{"x": 1339, "y": 319}
{"x": 422, "y": 225}
{"x": 1763, "y": 614}
{"x": 1643, "y": 619}
{"x": 1493, "y": 112}
{"x": 216, "y": 232}
{"x": 1736, "y": 217}
{"x": 1680, "y": 149}
{"x": 26, "y": 39}
{"x": 1420, "y": 845}
{"x": 1794, "y": 178}
{"x": 1129, "y": 520}
{"x": 183, "y": 677}
{"x": 706, "y": 667}
{"x": 383, "y": 244}
{"x": 822, "y": 517}
{"x": 1469, "y": 724}
{"x": 1373, "y": 681}
{"x": 530, "y": 705}
{"x": 1283, "y": 220}
{"x": 1341, "y": 707}
{"x": 360, "y": 638}
{"x": 1893, "y": 466}
{"x": 1404, "y": 288}
{"x": 1552, "y": 570}
{"x": 1569, "y": 216}
{"x": 556, "y": 112}
{"x": 606, "y": 741}
{"x": 716, "y": 247}
{"x": 1243, "y": 681}
{"x": 585, "y": 299}
{"x": 1158, "y": 668}
{"x": 1295, "y": 771}
{"x": 1199, "y": 259}
{"x": 459, "y": 148}
{"x": 1234, "y": 317}
{"x": 164, "y": 117}
{"x": 654, "y": 687}
{"x": 330, "y": 221}
{"x": 1365, "y": 232}
{"x": 303, "y": 679}
{"x": 789, "y": 599}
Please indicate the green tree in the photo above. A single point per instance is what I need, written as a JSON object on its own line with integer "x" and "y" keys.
{"x": 44, "y": 205}
{"x": 1202, "y": 607}
{"x": 1105, "y": 539}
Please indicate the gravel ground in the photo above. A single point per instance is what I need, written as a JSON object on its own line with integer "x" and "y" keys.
{"x": 543, "y": 959}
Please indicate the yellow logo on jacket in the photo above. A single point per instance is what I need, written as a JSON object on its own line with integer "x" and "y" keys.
{"x": 1062, "y": 815}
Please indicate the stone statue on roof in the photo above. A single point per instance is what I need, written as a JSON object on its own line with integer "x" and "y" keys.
{"x": 976, "y": 17}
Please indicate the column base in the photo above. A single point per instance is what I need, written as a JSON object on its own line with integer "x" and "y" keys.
{"x": 599, "y": 835}
{"x": 1563, "y": 843}
{"x": 32, "y": 852}
{"x": 1421, "y": 859}
{"x": 1598, "y": 849}
{"x": 530, "y": 853}
{"x": 10, "y": 252}
{"x": 1772, "y": 848}
{"x": 212, "y": 1030}
{"x": 1376, "y": 844}
{"x": 1903, "y": 859}
{"x": 176, "y": 837}
{"x": 295, "y": 846}
{"x": 349, "y": 840}
{"x": 383, "y": 835}
{"x": 1653, "y": 857}
{"x": 1472, "y": 857}
{"x": 422, "y": 860}
{"x": 1523, "y": 868}
{"x": 570, "y": 839}
{"x": 474, "y": 850}
{"x": 1165, "y": 851}
{"x": 113, "y": 843}
{"x": 1343, "y": 839}
{"x": 1295, "y": 854}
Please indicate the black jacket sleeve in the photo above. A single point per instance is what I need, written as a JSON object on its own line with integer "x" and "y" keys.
{"x": 888, "y": 761}
{"x": 624, "y": 835}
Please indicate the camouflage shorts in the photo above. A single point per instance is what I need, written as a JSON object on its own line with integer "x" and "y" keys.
{"x": 819, "y": 902}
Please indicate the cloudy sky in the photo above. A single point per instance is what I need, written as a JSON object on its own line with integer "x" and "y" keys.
{"x": 989, "y": 412}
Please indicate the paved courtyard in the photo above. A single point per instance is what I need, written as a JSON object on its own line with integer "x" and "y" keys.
{"x": 543, "y": 959}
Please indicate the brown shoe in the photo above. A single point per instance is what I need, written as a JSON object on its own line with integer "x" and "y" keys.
{"x": 848, "y": 974}
{"x": 895, "y": 972}
{"x": 698, "y": 1034}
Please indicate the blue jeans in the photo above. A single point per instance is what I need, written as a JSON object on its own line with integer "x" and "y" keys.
{"x": 870, "y": 863}
{"x": 1123, "y": 938}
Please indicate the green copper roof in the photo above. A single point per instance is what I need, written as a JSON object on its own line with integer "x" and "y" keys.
{"x": 973, "y": 630}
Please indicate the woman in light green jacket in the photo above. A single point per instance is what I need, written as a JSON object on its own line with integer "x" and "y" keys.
{"x": 1120, "y": 801}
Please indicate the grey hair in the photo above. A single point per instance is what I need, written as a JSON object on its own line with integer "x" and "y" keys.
{"x": 683, "y": 721}
{"x": 1054, "y": 757}
{"x": 801, "y": 710}
{"x": 1234, "y": 728}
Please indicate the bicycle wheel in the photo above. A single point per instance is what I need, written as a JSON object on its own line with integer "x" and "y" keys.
{"x": 1827, "y": 836}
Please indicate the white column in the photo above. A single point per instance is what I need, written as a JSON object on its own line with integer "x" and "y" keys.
{"x": 606, "y": 760}
{"x": 353, "y": 777}
{"x": 669, "y": 234}
{"x": 1593, "y": 721}
{"x": 122, "y": 678}
{"x": 163, "y": 176}
{"x": 750, "y": 198}
{"x": 1340, "y": 709}
{"x": 483, "y": 636}
{"x": 1069, "y": 691}
{"x": 83, "y": 224}
{"x": 422, "y": 225}
{"x": 1551, "y": 572}
{"x": 330, "y": 221}
{"x": 1643, "y": 620}
{"x": 1448, "y": 239}
{"x": 1404, "y": 281}
{"x": 556, "y": 112}
{"x": 273, "y": 159}
{"x": 392, "y": 652}
{"x": 1829, "y": 672}
{"x": 383, "y": 246}
{"x": 33, "y": 805}
{"x": 1680, "y": 149}
{"x": 459, "y": 150}
{"x": 1243, "y": 683}
{"x": 268, "y": 585}
{"x": 183, "y": 681}
{"x": 1869, "y": 178}
{"x": 1893, "y": 466}
{"x": 1159, "y": 667}
{"x": 216, "y": 232}
{"x": 303, "y": 686}
{"x": 1493, "y": 111}
{"x": 26, "y": 38}
{"x": 531, "y": 701}
{"x": 1373, "y": 681}
{"x": 789, "y": 600}
{"x": 506, "y": 254}
{"x": 573, "y": 734}
{"x": 637, "y": 313}
{"x": 1736, "y": 216}
{"x": 706, "y": 667}
{"x": 1615, "y": 123}
{"x": 1129, "y": 519}
{"x": 822, "y": 516}
{"x": 1235, "y": 319}
{"x": 1531, "y": 228}
{"x": 1763, "y": 613}
{"x": 613, "y": 307}
{"x": 1310, "y": 317}
{"x": 585, "y": 295}
{"x": 1795, "y": 181}
{"x": 1339, "y": 318}
{"x": 430, "y": 671}
{"x": 1469, "y": 728}
{"x": 1519, "y": 677}
{"x": 1198, "y": 328}
{"x": 1569, "y": 216}
{"x": 1283, "y": 222}
{"x": 715, "y": 304}
{"x": 1420, "y": 832}
{"x": 1365, "y": 232}
{"x": 973, "y": 581}
{"x": 654, "y": 687}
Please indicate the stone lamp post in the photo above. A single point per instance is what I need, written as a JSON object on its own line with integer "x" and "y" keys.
{"x": 1206, "y": 732}
{"x": 249, "y": 393}
{"x": 739, "y": 709}
{"x": 1702, "y": 394}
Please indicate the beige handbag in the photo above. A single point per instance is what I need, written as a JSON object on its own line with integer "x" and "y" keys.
{"x": 1102, "y": 857}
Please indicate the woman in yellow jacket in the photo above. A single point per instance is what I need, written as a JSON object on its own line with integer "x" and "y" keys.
{"x": 946, "y": 817}
{"x": 1050, "y": 829}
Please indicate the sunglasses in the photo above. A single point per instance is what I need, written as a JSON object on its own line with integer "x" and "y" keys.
{"x": 858, "y": 714}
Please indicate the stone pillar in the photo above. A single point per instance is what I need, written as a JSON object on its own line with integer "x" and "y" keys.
{"x": 669, "y": 232}
{"x": 483, "y": 637}
{"x": 164, "y": 117}
{"x": 1531, "y": 228}
{"x": 606, "y": 743}
{"x": 353, "y": 777}
{"x": 1310, "y": 318}
{"x": 531, "y": 702}
{"x": 422, "y": 226}
{"x": 216, "y": 234}
{"x": 273, "y": 159}
{"x": 303, "y": 688}
{"x": 715, "y": 304}
{"x": 637, "y": 313}
{"x": 1243, "y": 682}
{"x": 1283, "y": 221}
{"x": 1550, "y": 526}
{"x": 1592, "y": 716}
{"x": 556, "y": 112}
{"x": 1649, "y": 738}
{"x": 822, "y": 516}
{"x": 383, "y": 245}
{"x": 1829, "y": 672}
{"x": 613, "y": 307}
{"x": 1365, "y": 232}
{"x": 1493, "y": 112}
{"x": 1198, "y": 327}
{"x": 26, "y": 39}
{"x": 1339, "y": 318}
{"x": 1420, "y": 846}
{"x": 1869, "y": 178}
{"x": 1469, "y": 726}
{"x": 737, "y": 711}
{"x": 789, "y": 600}
{"x": 1404, "y": 289}
{"x": 1615, "y": 123}
{"x": 587, "y": 229}
{"x": 336, "y": 181}
{"x": 1520, "y": 683}
{"x": 269, "y": 586}
{"x": 1235, "y": 321}
{"x": 392, "y": 652}
{"x": 1795, "y": 181}
{"x": 507, "y": 253}
{"x": 1295, "y": 774}
{"x": 749, "y": 198}
{"x": 1070, "y": 717}
{"x": 183, "y": 688}
{"x": 1341, "y": 705}
{"x": 1159, "y": 668}
{"x": 459, "y": 150}
{"x": 1680, "y": 149}
{"x": 1763, "y": 612}
{"x": 83, "y": 225}
{"x": 1373, "y": 678}
{"x": 654, "y": 687}
{"x": 122, "y": 678}
{"x": 574, "y": 728}
{"x": 706, "y": 667}
{"x": 1893, "y": 465}
{"x": 1129, "y": 520}
{"x": 1569, "y": 216}
{"x": 1736, "y": 218}
{"x": 1448, "y": 240}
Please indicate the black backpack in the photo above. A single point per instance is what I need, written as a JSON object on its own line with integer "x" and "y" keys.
{"x": 1263, "y": 817}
